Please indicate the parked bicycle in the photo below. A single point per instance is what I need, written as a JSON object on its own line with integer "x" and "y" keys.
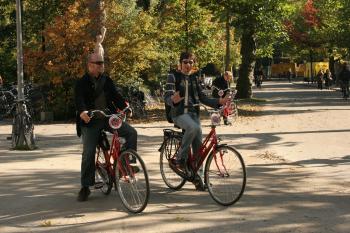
{"x": 22, "y": 126}
{"x": 122, "y": 168}
{"x": 224, "y": 173}
{"x": 139, "y": 107}
{"x": 7, "y": 102}
{"x": 230, "y": 110}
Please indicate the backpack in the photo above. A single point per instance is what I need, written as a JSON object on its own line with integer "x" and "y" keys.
{"x": 168, "y": 107}
{"x": 168, "y": 113}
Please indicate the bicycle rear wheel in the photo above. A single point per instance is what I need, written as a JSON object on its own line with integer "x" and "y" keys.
{"x": 225, "y": 175}
{"x": 102, "y": 175}
{"x": 170, "y": 178}
{"x": 28, "y": 129}
{"x": 132, "y": 181}
{"x": 16, "y": 125}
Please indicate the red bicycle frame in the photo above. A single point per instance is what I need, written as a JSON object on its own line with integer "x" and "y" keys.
{"x": 112, "y": 155}
{"x": 210, "y": 142}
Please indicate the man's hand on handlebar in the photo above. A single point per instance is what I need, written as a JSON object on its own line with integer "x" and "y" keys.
{"x": 85, "y": 117}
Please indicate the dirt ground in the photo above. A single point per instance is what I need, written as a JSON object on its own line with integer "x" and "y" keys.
{"x": 296, "y": 150}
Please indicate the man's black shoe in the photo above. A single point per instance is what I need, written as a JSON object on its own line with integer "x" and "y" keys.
{"x": 83, "y": 194}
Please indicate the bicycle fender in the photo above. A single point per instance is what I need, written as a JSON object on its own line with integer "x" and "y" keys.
{"x": 161, "y": 146}
{"x": 221, "y": 145}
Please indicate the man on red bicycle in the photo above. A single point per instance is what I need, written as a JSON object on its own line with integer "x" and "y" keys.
{"x": 222, "y": 83}
{"x": 97, "y": 91}
{"x": 183, "y": 93}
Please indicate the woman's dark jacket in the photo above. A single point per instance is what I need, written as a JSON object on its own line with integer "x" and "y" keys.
{"x": 175, "y": 82}
{"x": 221, "y": 84}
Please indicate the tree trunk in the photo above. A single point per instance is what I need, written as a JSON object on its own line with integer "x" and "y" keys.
{"x": 228, "y": 41}
{"x": 187, "y": 26}
{"x": 246, "y": 71}
{"x": 331, "y": 65}
{"x": 311, "y": 70}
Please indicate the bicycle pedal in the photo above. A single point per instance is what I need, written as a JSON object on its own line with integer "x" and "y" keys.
{"x": 177, "y": 171}
{"x": 98, "y": 185}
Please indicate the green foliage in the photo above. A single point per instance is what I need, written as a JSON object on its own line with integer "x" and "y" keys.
{"x": 185, "y": 25}
{"x": 129, "y": 43}
{"x": 67, "y": 42}
{"x": 8, "y": 40}
{"x": 144, "y": 38}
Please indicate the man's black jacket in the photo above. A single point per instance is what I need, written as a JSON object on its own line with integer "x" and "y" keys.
{"x": 85, "y": 97}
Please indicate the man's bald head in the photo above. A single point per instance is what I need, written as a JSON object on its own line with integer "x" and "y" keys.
{"x": 95, "y": 64}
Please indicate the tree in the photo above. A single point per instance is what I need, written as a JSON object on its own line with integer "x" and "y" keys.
{"x": 185, "y": 25}
{"x": 67, "y": 45}
{"x": 305, "y": 30}
{"x": 130, "y": 41}
{"x": 8, "y": 40}
{"x": 257, "y": 24}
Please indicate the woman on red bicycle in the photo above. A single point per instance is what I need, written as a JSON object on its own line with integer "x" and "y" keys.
{"x": 222, "y": 83}
{"x": 96, "y": 91}
{"x": 183, "y": 93}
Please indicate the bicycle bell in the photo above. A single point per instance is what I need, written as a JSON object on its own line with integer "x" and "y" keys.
{"x": 115, "y": 122}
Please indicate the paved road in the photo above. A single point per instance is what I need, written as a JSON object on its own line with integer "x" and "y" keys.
{"x": 296, "y": 151}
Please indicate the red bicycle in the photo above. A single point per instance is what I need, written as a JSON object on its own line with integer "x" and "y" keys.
{"x": 123, "y": 168}
{"x": 224, "y": 173}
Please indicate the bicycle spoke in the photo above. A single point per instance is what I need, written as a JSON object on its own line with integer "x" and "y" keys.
{"x": 132, "y": 183}
{"x": 225, "y": 175}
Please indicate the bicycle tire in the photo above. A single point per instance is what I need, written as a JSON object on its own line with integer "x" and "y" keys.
{"x": 234, "y": 115}
{"x": 132, "y": 182}
{"x": 225, "y": 175}
{"x": 102, "y": 173}
{"x": 16, "y": 125}
{"x": 170, "y": 178}
{"x": 28, "y": 129}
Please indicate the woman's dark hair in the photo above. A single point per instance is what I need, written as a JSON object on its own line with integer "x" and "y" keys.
{"x": 187, "y": 55}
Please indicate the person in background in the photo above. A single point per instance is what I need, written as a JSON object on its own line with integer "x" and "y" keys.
{"x": 1, "y": 82}
{"x": 344, "y": 78}
{"x": 319, "y": 78}
{"x": 222, "y": 83}
{"x": 328, "y": 79}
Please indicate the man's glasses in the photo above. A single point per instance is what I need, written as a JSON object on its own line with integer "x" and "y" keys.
{"x": 191, "y": 62}
{"x": 97, "y": 62}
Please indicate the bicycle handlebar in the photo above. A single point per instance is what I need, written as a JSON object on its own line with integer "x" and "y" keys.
{"x": 222, "y": 91}
{"x": 115, "y": 120}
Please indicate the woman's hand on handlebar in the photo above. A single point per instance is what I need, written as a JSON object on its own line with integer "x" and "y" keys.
{"x": 176, "y": 98}
{"x": 223, "y": 101}
{"x": 85, "y": 117}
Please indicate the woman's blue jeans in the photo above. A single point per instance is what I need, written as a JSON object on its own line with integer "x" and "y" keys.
{"x": 193, "y": 134}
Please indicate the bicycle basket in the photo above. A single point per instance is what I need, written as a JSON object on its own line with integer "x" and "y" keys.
{"x": 115, "y": 122}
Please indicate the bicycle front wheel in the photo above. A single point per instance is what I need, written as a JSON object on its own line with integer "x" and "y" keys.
{"x": 170, "y": 178}
{"x": 225, "y": 175}
{"x": 132, "y": 181}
